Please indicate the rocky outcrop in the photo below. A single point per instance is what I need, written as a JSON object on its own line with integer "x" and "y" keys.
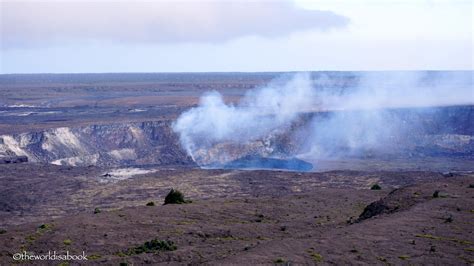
{"x": 144, "y": 143}
{"x": 443, "y": 132}
{"x": 13, "y": 159}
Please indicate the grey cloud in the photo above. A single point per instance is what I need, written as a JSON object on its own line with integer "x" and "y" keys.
{"x": 44, "y": 23}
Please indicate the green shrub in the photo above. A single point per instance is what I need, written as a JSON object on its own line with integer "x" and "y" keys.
{"x": 120, "y": 254}
{"x": 2, "y": 231}
{"x": 96, "y": 210}
{"x": 279, "y": 260}
{"x": 94, "y": 257}
{"x": 175, "y": 197}
{"x": 376, "y": 187}
{"x": 151, "y": 203}
{"x": 152, "y": 246}
{"x": 315, "y": 256}
{"x": 44, "y": 226}
{"x": 67, "y": 242}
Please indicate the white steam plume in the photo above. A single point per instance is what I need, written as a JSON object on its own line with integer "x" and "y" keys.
{"x": 361, "y": 118}
{"x": 366, "y": 122}
{"x": 260, "y": 112}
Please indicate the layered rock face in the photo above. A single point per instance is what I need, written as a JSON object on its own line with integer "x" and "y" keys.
{"x": 384, "y": 134}
{"x": 445, "y": 132}
{"x": 145, "y": 143}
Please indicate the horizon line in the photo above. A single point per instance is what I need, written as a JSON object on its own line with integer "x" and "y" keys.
{"x": 230, "y": 72}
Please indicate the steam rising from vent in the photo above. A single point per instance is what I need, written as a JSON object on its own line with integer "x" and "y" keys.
{"x": 259, "y": 114}
{"x": 324, "y": 115}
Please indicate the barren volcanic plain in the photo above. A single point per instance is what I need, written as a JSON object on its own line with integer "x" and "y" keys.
{"x": 86, "y": 161}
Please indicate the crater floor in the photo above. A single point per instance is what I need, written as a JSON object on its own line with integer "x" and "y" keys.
{"x": 260, "y": 217}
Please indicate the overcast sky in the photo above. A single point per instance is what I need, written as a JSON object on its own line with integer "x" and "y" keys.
{"x": 199, "y": 36}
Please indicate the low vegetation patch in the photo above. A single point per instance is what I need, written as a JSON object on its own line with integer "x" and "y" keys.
{"x": 151, "y": 203}
{"x": 279, "y": 261}
{"x": 45, "y": 227}
{"x": 375, "y": 187}
{"x": 31, "y": 238}
{"x": 120, "y": 254}
{"x": 151, "y": 246}
{"x": 175, "y": 197}
{"x": 94, "y": 257}
{"x": 315, "y": 256}
{"x": 96, "y": 211}
{"x": 67, "y": 242}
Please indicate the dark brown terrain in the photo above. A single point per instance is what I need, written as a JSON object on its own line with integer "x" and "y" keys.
{"x": 240, "y": 217}
{"x": 100, "y": 148}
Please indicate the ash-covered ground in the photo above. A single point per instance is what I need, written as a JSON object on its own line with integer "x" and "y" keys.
{"x": 273, "y": 178}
